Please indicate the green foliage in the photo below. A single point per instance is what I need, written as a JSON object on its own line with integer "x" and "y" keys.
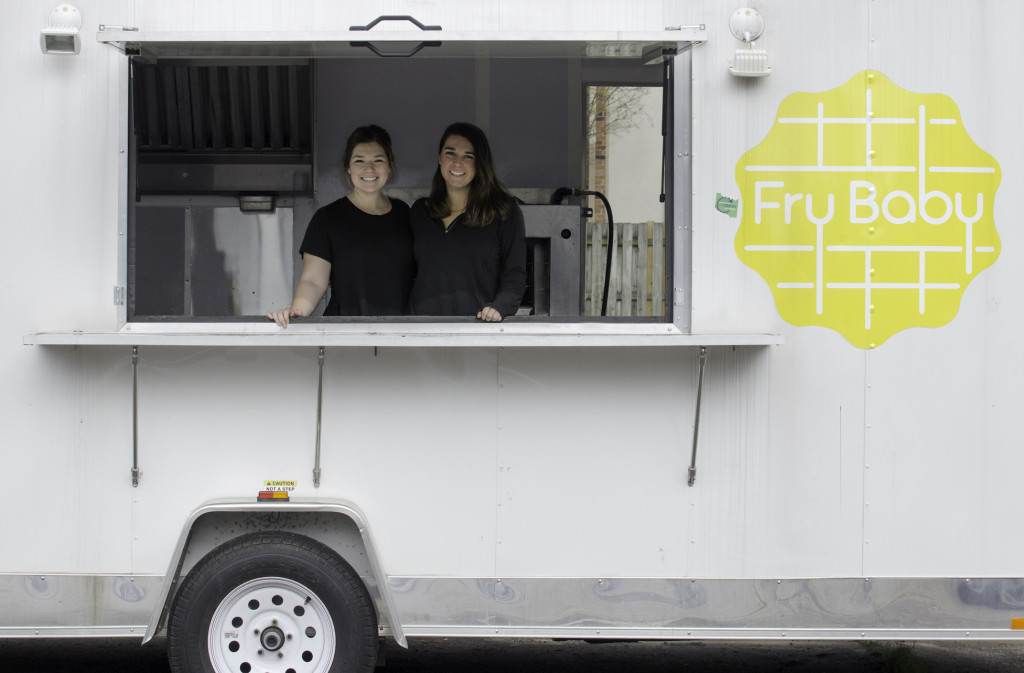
{"x": 618, "y": 106}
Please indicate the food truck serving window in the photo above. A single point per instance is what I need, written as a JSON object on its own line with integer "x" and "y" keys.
{"x": 233, "y": 147}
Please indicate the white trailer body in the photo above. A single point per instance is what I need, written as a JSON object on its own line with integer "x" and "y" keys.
{"x": 716, "y": 473}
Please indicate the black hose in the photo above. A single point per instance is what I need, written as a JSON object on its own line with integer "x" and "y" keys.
{"x": 560, "y": 195}
{"x": 563, "y": 192}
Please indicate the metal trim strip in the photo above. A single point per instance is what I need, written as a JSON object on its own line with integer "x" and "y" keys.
{"x": 618, "y": 633}
{"x": 63, "y": 604}
{"x": 678, "y": 607}
{"x": 407, "y": 335}
{"x": 454, "y": 43}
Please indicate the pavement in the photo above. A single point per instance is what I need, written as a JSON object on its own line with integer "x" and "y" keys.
{"x": 457, "y": 655}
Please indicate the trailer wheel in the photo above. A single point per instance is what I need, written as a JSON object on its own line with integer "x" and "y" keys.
{"x": 272, "y": 602}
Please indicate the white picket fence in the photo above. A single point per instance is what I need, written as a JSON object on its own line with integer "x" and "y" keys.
{"x": 637, "y": 284}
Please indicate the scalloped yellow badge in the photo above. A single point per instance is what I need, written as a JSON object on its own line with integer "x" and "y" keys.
{"x": 868, "y": 209}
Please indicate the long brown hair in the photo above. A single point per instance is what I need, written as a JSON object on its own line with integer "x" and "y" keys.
{"x": 488, "y": 200}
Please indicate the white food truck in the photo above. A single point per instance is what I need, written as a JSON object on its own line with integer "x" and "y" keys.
{"x": 793, "y": 412}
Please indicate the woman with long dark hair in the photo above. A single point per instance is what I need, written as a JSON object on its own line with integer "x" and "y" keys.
{"x": 360, "y": 244}
{"x": 469, "y": 239}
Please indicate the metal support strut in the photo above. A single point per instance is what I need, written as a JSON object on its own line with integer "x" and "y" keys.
{"x": 319, "y": 415}
{"x": 136, "y": 472}
{"x": 696, "y": 415}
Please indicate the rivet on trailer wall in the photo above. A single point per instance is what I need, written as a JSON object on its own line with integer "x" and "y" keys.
{"x": 60, "y": 36}
{"x": 747, "y": 25}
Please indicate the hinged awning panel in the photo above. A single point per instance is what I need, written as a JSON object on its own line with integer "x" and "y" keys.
{"x": 424, "y": 44}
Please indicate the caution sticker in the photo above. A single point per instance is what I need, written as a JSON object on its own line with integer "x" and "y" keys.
{"x": 275, "y": 491}
{"x": 279, "y": 485}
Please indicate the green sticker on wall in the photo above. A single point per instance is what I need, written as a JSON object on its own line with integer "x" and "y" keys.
{"x": 724, "y": 204}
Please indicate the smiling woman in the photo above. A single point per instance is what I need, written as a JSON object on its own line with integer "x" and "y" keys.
{"x": 360, "y": 244}
{"x": 469, "y": 235}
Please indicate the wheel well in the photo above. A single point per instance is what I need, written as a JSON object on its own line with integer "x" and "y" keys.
{"x": 335, "y": 530}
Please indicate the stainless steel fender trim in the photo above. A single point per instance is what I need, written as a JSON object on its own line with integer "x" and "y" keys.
{"x": 298, "y": 505}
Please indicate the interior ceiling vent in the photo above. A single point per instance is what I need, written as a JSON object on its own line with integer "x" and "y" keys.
{"x": 235, "y": 108}
{"x": 223, "y": 129}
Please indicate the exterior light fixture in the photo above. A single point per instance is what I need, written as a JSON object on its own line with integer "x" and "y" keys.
{"x": 746, "y": 25}
{"x": 60, "y": 36}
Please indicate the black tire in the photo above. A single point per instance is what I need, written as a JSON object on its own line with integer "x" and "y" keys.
{"x": 272, "y": 602}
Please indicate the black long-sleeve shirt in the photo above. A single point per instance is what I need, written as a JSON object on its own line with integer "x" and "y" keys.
{"x": 462, "y": 269}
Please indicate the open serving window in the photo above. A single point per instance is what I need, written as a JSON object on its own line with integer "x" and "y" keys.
{"x": 235, "y": 139}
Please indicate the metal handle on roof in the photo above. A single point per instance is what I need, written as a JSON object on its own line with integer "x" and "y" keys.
{"x": 395, "y": 17}
{"x": 394, "y": 54}
{"x": 696, "y": 416}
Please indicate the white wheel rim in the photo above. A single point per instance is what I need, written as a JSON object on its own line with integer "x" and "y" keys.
{"x": 271, "y": 625}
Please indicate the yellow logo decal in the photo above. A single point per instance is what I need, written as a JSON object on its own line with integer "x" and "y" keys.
{"x": 868, "y": 209}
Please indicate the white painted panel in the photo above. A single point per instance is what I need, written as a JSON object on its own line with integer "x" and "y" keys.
{"x": 65, "y": 448}
{"x": 328, "y": 15}
{"x": 929, "y": 484}
{"x": 816, "y": 436}
{"x": 591, "y": 473}
{"x": 67, "y": 460}
{"x": 932, "y": 410}
{"x": 778, "y": 484}
{"x": 179, "y": 15}
{"x": 815, "y": 458}
{"x": 275, "y": 15}
{"x": 60, "y": 163}
{"x": 944, "y": 442}
{"x": 217, "y": 423}
{"x": 726, "y": 510}
{"x": 812, "y": 46}
{"x": 582, "y": 15}
{"x": 407, "y": 435}
{"x": 411, "y": 439}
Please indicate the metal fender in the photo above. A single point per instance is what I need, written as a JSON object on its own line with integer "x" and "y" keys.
{"x": 217, "y": 521}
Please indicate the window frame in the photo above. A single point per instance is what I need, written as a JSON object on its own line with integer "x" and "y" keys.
{"x": 587, "y": 330}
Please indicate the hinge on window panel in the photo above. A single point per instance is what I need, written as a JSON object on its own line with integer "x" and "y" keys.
{"x": 118, "y": 295}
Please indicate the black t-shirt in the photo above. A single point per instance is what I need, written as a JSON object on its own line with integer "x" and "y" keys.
{"x": 462, "y": 269}
{"x": 371, "y": 258}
